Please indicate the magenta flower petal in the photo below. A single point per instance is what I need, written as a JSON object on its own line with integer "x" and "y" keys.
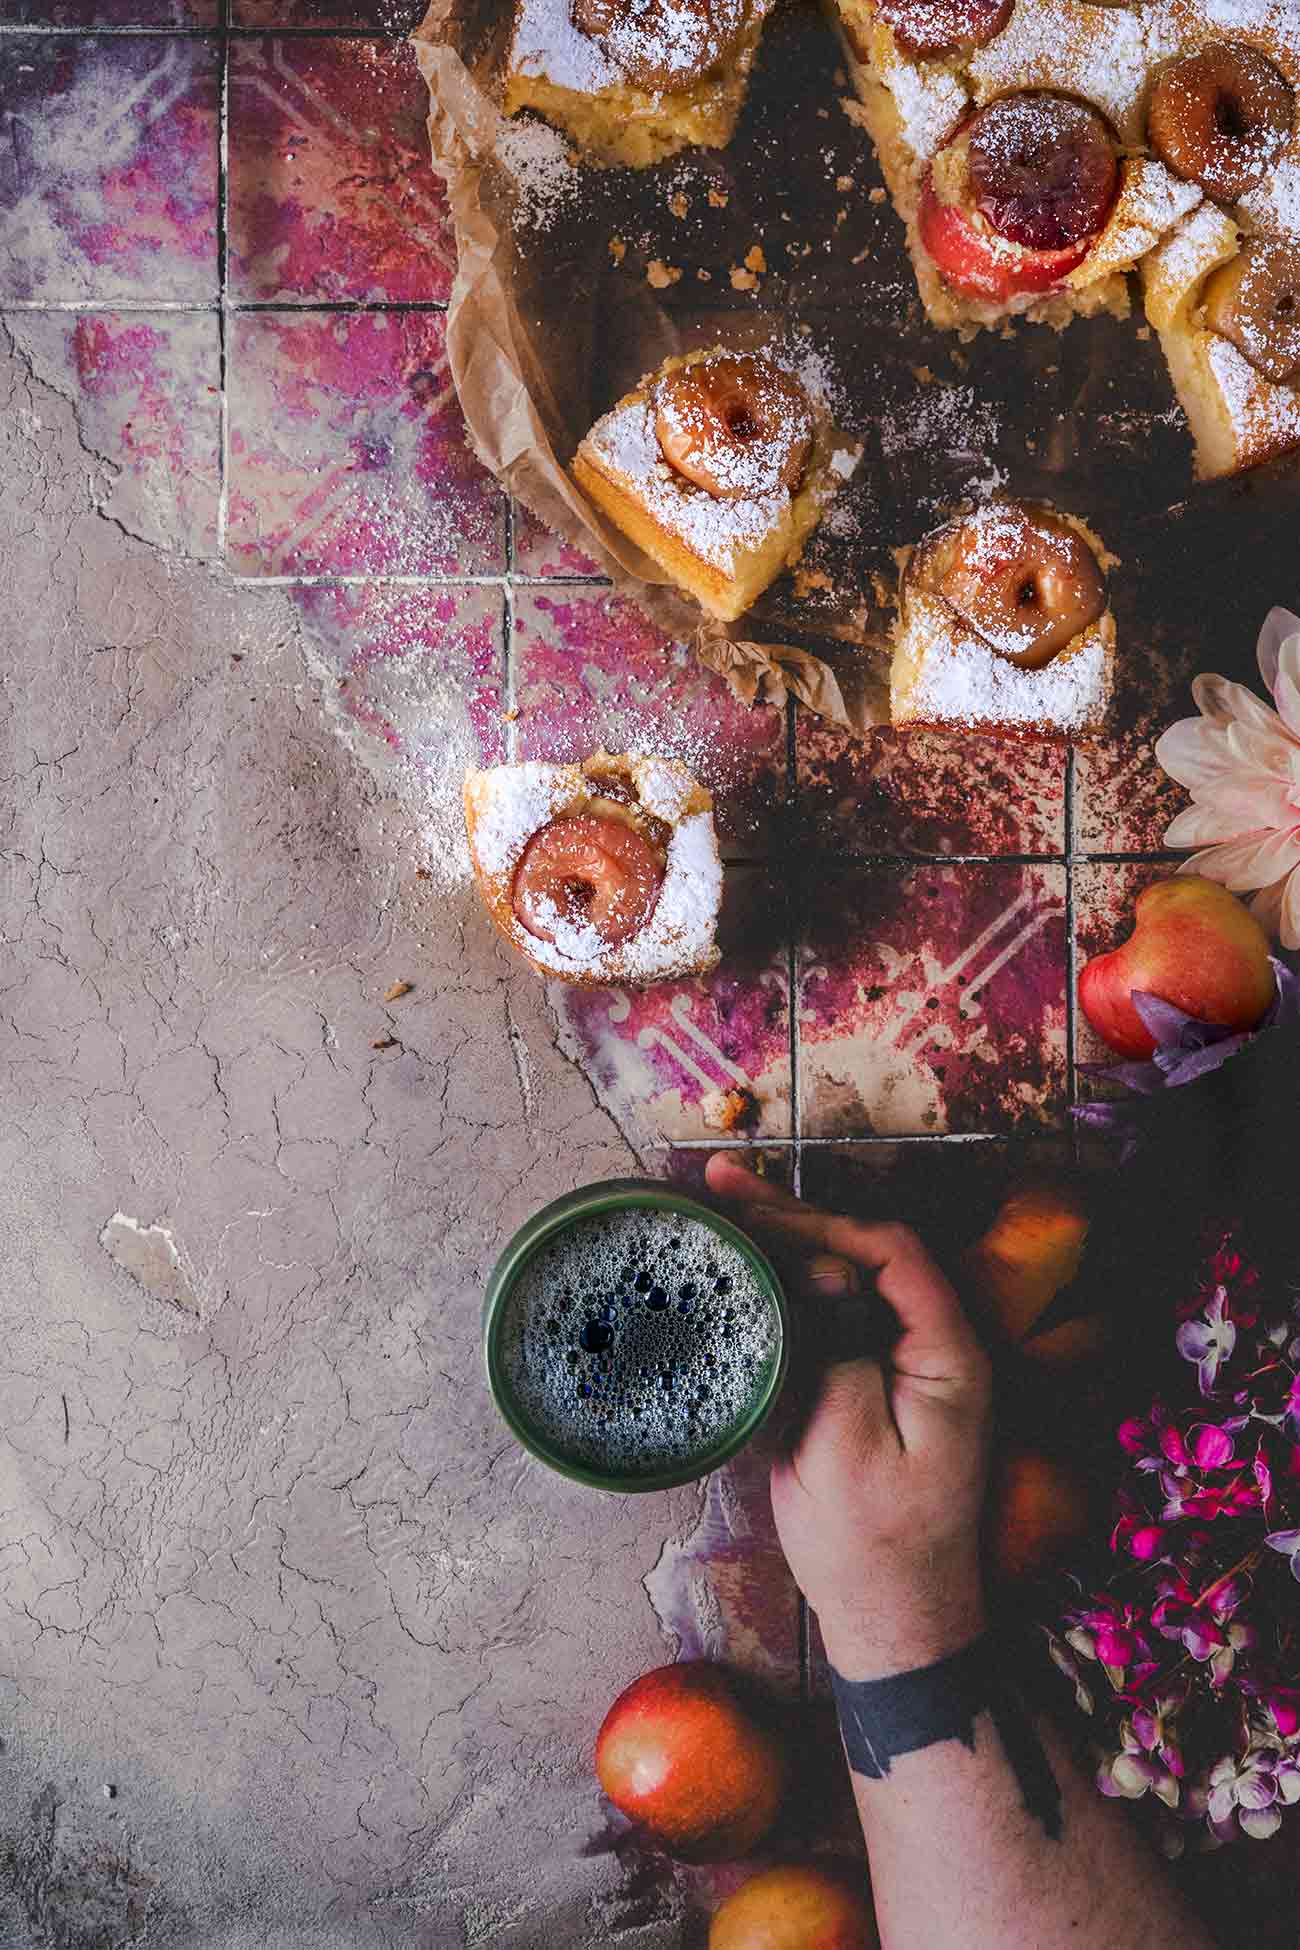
{"x": 1210, "y": 1447}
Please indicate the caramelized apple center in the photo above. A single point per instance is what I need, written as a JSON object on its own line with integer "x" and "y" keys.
{"x": 583, "y": 874}
{"x": 1021, "y": 577}
{"x": 734, "y": 426}
{"x": 1042, "y": 169}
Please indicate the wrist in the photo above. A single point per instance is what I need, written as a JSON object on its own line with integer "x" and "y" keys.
{"x": 901, "y": 1631}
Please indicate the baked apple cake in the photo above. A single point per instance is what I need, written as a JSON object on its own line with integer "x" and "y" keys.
{"x": 603, "y": 871}
{"x": 719, "y": 466}
{"x": 634, "y": 81}
{"x": 1040, "y": 150}
{"x": 1003, "y": 625}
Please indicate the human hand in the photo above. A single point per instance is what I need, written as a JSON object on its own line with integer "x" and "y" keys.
{"x": 878, "y": 1498}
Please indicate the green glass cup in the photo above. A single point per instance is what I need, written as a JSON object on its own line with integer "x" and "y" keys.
{"x": 545, "y": 1229}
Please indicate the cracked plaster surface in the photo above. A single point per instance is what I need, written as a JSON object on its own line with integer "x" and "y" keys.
{"x": 297, "y": 1649}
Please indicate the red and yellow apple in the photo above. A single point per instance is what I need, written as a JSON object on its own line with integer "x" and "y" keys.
{"x": 1029, "y": 1254}
{"x": 681, "y": 1756}
{"x": 812, "y": 1906}
{"x": 1039, "y": 1508}
{"x": 1193, "y": 944}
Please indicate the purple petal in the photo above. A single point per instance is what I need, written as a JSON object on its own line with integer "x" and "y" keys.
{"x": 1223, "y": 1802}
{"x": 1286, "y": 1006}
{"x": 1194, "y": 1340}
{"x": 1199, "y": 1063}
{"x": 1260, "y": 1823}
{"x": 1285, "y": 1541}
{"x": 1159, "y": 1018}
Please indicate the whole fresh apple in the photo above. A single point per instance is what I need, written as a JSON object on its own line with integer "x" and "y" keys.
{"x": 1039, "y": 1508}
{"x": 813, "y": 1906}
{"x": 680, "y": 1755}
{"x": 1193, "y": 944}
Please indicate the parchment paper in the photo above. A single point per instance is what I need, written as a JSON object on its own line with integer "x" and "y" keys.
{"x": 529, "y": 304}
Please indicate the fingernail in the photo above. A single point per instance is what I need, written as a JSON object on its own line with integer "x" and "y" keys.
{"x": 830, "y": 1276}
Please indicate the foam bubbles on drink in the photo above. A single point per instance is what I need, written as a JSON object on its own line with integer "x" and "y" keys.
{"x": 636, "y": 1341}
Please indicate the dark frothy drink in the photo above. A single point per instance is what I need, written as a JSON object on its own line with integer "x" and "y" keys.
{"x": 636, "y": 1342}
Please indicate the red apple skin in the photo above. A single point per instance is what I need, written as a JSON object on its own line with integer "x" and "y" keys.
{"x": 1040, "y": 1509}
{"x": 679, "y": 1755}
{"x": 971, "y": 263}
{"x": 812, "y": 1906}
{"x": 1193, "y": 944}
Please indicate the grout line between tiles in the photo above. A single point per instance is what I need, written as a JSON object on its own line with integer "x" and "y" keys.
{"x": 733, "y": 1141}
{"x": 391, "y": 37}
{"x": 1071, "y": 946}
{"x": 223, "y": 273}
{"x": 508, "y": 634}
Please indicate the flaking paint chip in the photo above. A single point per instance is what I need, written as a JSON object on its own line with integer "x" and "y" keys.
{"x": 397, "y": 991}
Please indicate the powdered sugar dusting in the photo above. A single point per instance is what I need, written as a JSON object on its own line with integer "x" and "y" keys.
{"x": 962, "y": 680}
{"x": 1102, "y": 54}
{"x": 930, "y": 102}
{"x": 1269, "y": 414}
{"x": 537, "y": 160}
{"x": 519, "y": 800}
{"x": 513, "y": 802}
{"x": 547, "y": 44}
{"x": 715, "y": 530}
{"x": 679, "y": 931}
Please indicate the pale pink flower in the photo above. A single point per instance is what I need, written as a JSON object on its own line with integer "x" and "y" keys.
{"x": 1240, "y": 761}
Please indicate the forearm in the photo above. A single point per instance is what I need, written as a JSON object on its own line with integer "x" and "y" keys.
{"x": 975, "y": 1849}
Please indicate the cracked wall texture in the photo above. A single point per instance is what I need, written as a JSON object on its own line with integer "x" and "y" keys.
{"x": 296, "y": 1647}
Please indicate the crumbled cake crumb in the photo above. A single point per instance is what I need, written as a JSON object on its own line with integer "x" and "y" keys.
{"x": 754, "y": 258}
{"x": 876, "y": 196}
{"x": 843, "y": 184}
{"x": 742, "y": 280}
{"x": 660, "y": 275}
{"x": 679, "y": 203}
{"x": 719, "y": 199}
{"x": 729, "y": 1110}
{"x": 808, "y": 580}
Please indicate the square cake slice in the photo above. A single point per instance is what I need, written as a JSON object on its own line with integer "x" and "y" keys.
{"x": 1214, "y": 297}
{"x": 635, "y": 81}
{"x": 1003, "y": 626}
{"x": 719, "y": 466}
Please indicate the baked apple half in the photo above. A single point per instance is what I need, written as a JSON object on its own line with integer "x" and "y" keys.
{"x": 1020, "y": 576}
{"x": 1016, "y": 200}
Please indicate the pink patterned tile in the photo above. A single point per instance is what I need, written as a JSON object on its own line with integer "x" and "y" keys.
{"x": 1123, "y": 802}
{"x": 540, "y": 553}
{"x": 393, "y": 17}
{"x": 148, "y": 400}
{"x": 933, "y": 1000}
{"x": 423, "y": 669}
{"x": 923, "y": 792}
{"x": 348, "y": 451}
{"x": 660, "y": 1057}
{"x": 108, "y": 168}
{"x": 112, "y": 13}
{"x": 1105, "y": 893}
{"x": 591, "y": 669}
{"x": 332, "y": 195}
